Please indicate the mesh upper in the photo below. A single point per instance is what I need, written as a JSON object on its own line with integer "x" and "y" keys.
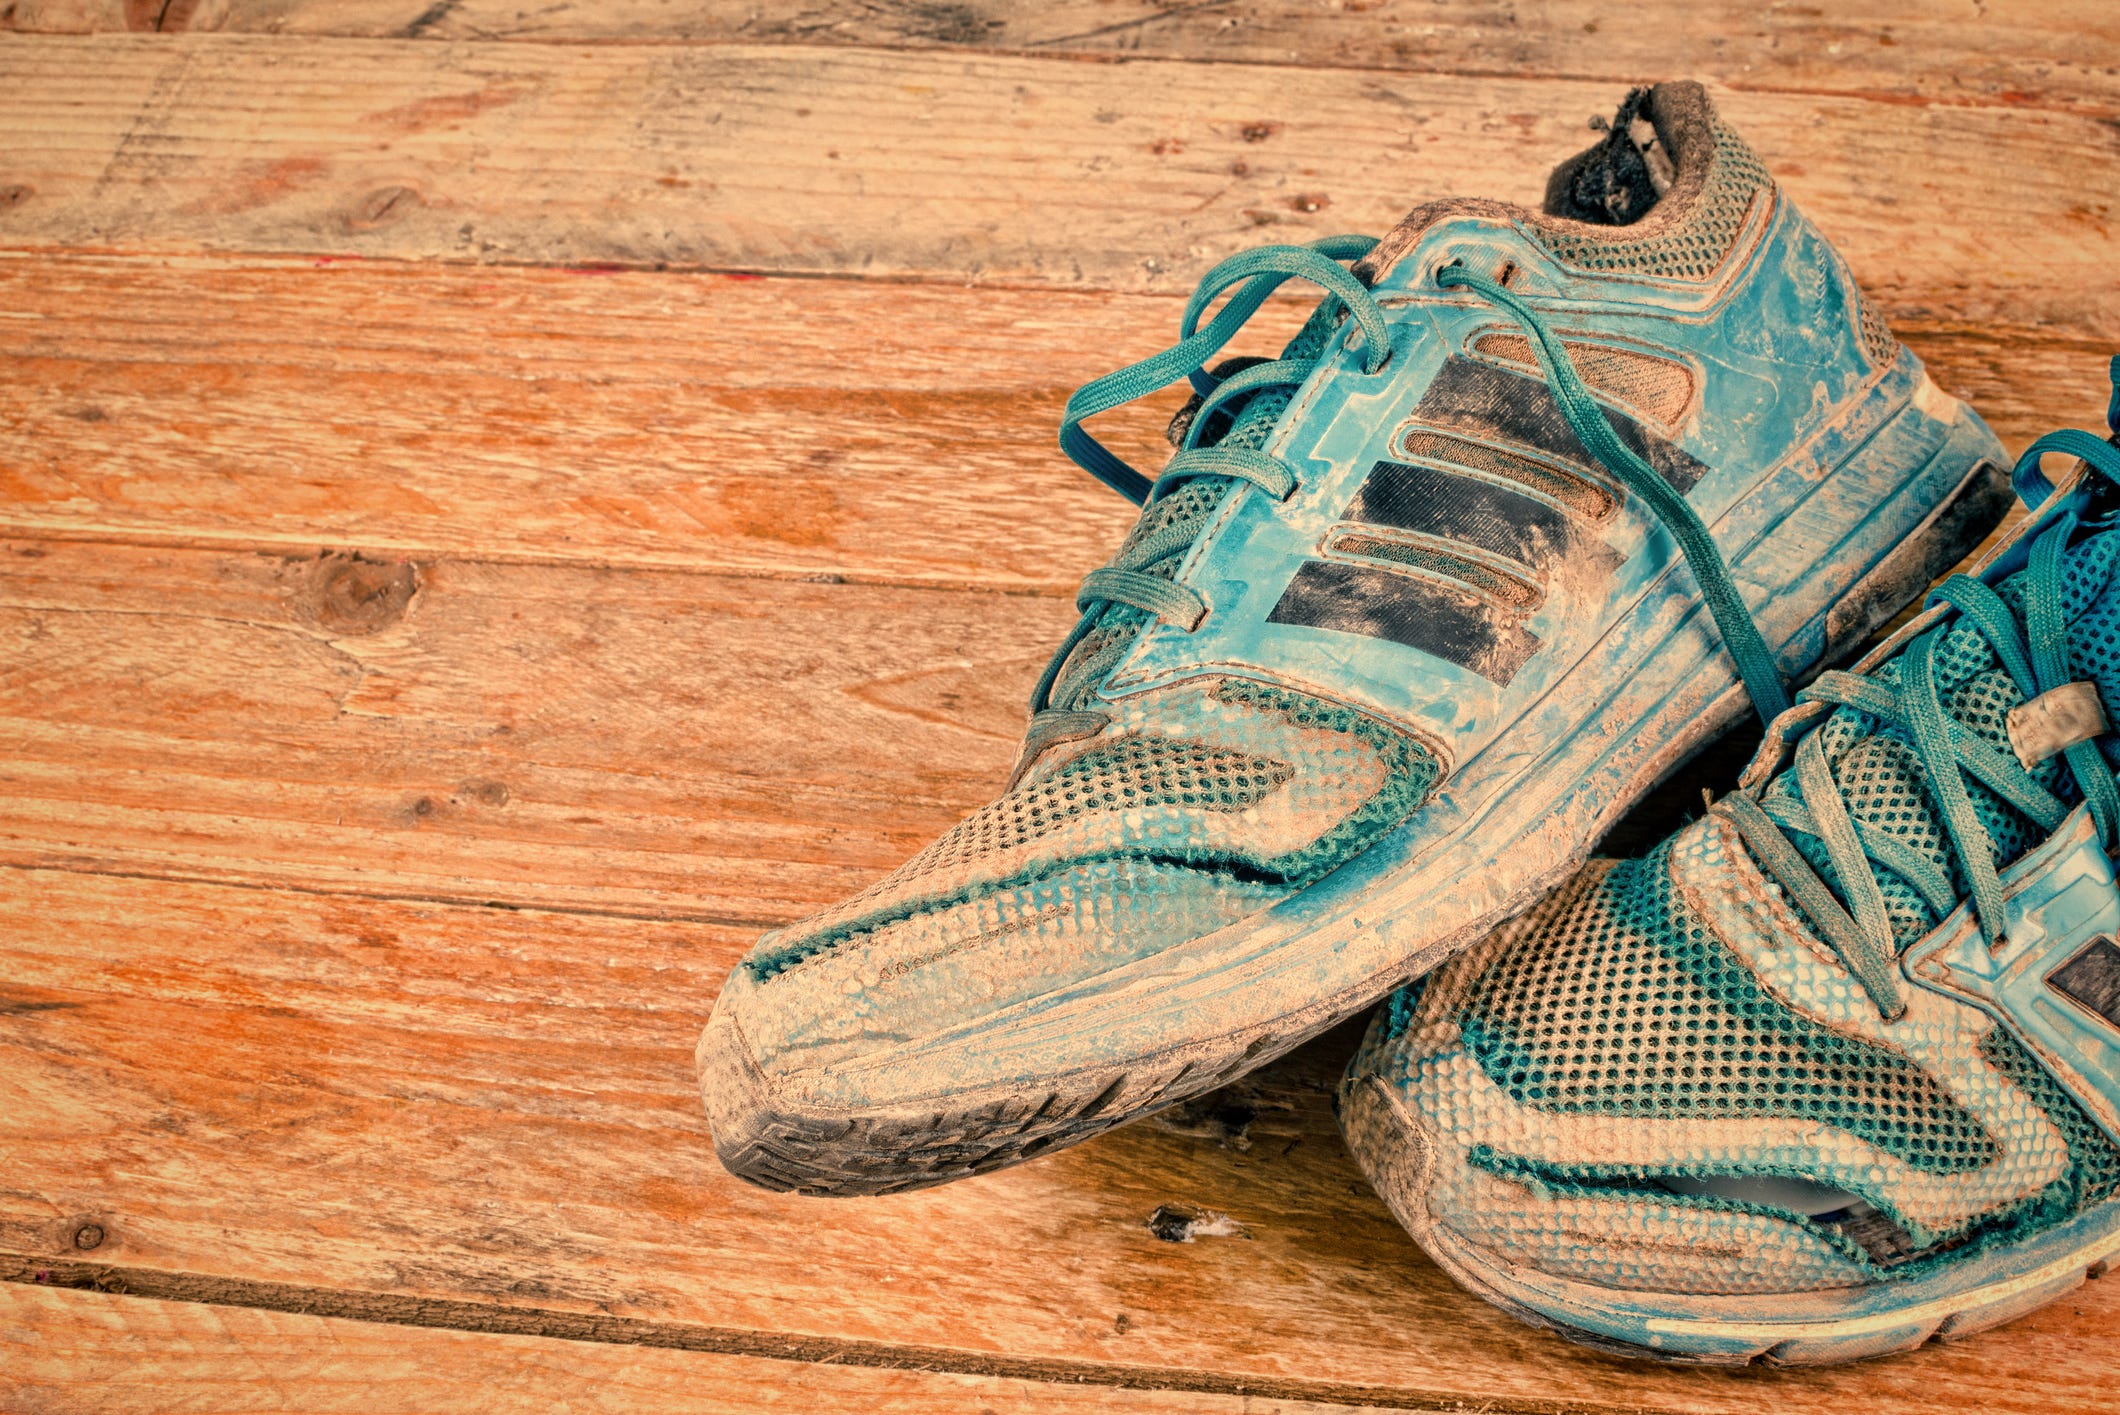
{"x": 1640, "y": 995}
{"x": 1877, "y": 340}
{"x": 1880, "y": 779}
{"x": 1627, "y": 1005}
{"x": 1133, "y": 773}
{"x": 1215, "y": 774}
{"x": 1690, "y": 248}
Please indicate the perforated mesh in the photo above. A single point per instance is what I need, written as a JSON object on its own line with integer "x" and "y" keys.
{"x": 1877, "y": 340}
{"x": 1616, "y": 998}
{"x": 2094, "y": 1164}
{"x": 1410, "y": 772}
{"x": 1563, "y": 485}
{"x": 1880, "y": 779}
{"x": 1659, "y": 389}
{"x": 1693, "y": 247}
{"x": 1134, "y": 773}
{"x": 1628, "y": 1005}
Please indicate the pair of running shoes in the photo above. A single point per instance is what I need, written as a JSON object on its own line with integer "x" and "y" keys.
{"x": 1537, "y": 504}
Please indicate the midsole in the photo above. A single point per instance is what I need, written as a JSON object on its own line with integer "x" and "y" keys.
{"x": 1739, "y": 1324}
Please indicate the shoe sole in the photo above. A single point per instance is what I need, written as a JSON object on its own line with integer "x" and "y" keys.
{"x": 1001, "y": 1100}
{"x": 1688, "y": 1329}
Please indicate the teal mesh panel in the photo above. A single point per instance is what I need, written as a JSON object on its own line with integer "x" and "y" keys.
{"x": 1693, "y": 247}
{"x": 1411, "y": 773}
{"x": 1133, "y": 773}
{"x": 1880, "y": 779}
{"x": 1629, "y": 1006}
{"x": 2094, "y": 1164}
{"x": 1877, "y": 340}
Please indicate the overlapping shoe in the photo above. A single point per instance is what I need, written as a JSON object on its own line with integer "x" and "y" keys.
{"x": 1836, "y": 1068}
{"x": 1524, "y": 515}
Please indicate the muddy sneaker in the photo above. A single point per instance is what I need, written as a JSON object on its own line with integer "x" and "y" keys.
{"x": 1836, "y": 1068}
{"x": 1517, "y": 522}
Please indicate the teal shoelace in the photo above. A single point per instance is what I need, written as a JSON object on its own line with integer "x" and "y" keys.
{"x": 2037, "y": 658}
{"x": 1128, "y": 580}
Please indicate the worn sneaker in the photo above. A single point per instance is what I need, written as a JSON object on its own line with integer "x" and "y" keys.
{"x": 1415, "y": 611}
{"x": 1836, "y": 1068}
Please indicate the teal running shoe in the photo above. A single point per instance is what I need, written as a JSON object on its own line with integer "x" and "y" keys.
{"x": 1836, "y": 1068}
{"x": 1524, "y": 515}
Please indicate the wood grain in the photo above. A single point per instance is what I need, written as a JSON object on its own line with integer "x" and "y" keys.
{"x": 64, "y": 1351}
{"x": 895, "y": 433}
{"x": 953, "y": 166}
{"x": 1930, "y": 51}
{"x": 530, "y": 415}
{"x": 655, "y": 744}
{"x": 395, "y": 1102}
{"x": 445, "y": 617}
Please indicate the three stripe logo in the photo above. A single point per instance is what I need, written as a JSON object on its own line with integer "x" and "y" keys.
{"x": 1450, "y": 550}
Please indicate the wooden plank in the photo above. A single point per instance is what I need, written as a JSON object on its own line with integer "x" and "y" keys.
{"x": 508, "y": 413}
{"x": 929, "y": 164}
{"x": 395, "y": 1108}
{"x": 63, "y": 1350}
{"x": 657, "y": 744}
{"x": 1932, "y": 51}
{"x": 786, "y": 427}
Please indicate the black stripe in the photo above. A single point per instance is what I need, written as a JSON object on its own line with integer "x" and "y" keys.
{"x": 1479, "y": 398}
{"x": 1463, "y": 508}
{"x": 2092, "y": 979}
{"x": 1383, "y": 604}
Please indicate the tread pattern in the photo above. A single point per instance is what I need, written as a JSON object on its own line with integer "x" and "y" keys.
{"x": 889, "y": 1153}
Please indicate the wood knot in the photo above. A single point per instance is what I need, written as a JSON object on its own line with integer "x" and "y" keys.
{"x": 380, "y": 208}
{"x": 348, "y": 595}
{"x": 13, "y": 194}
{"x": 88, "y": 1235}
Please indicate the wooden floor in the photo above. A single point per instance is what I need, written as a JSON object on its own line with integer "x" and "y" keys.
{"x": 500, "y": 502}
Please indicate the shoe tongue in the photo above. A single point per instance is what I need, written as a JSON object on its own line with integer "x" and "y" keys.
{"x": 1880, "y": 777}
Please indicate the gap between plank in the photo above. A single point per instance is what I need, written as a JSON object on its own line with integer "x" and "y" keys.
{"x": 76, "y": 865}
{"x": 457, "y": 1315}
{"x": 1048, "y": 51}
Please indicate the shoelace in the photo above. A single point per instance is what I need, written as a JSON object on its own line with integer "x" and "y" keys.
{"x": 2036, "y": 656}
{"x": 1127, "y": 581}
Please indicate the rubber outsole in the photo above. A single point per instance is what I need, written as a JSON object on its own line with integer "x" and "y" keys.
{"x": 880, "y": 1151}
{"x": 1789, "y": 1331}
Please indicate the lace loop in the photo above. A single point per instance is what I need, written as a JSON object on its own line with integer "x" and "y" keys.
{"x": 1173, "y": 604}
{"x": 1842, "y": 933}
{"x": 1265, "y": 375}
{"x": 2030, "y": 479}
{"x": 1269, "y": 474}
{"x": 1260, "y": 273}
{"x": 2037, "y": 657}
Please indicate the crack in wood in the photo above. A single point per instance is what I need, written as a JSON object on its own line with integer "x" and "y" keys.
{"x": 451, "y": 1314}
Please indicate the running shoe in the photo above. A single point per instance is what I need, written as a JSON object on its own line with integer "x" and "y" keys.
{"x": 1836, "y": 1068}
{"x": 1528, "y": 511}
